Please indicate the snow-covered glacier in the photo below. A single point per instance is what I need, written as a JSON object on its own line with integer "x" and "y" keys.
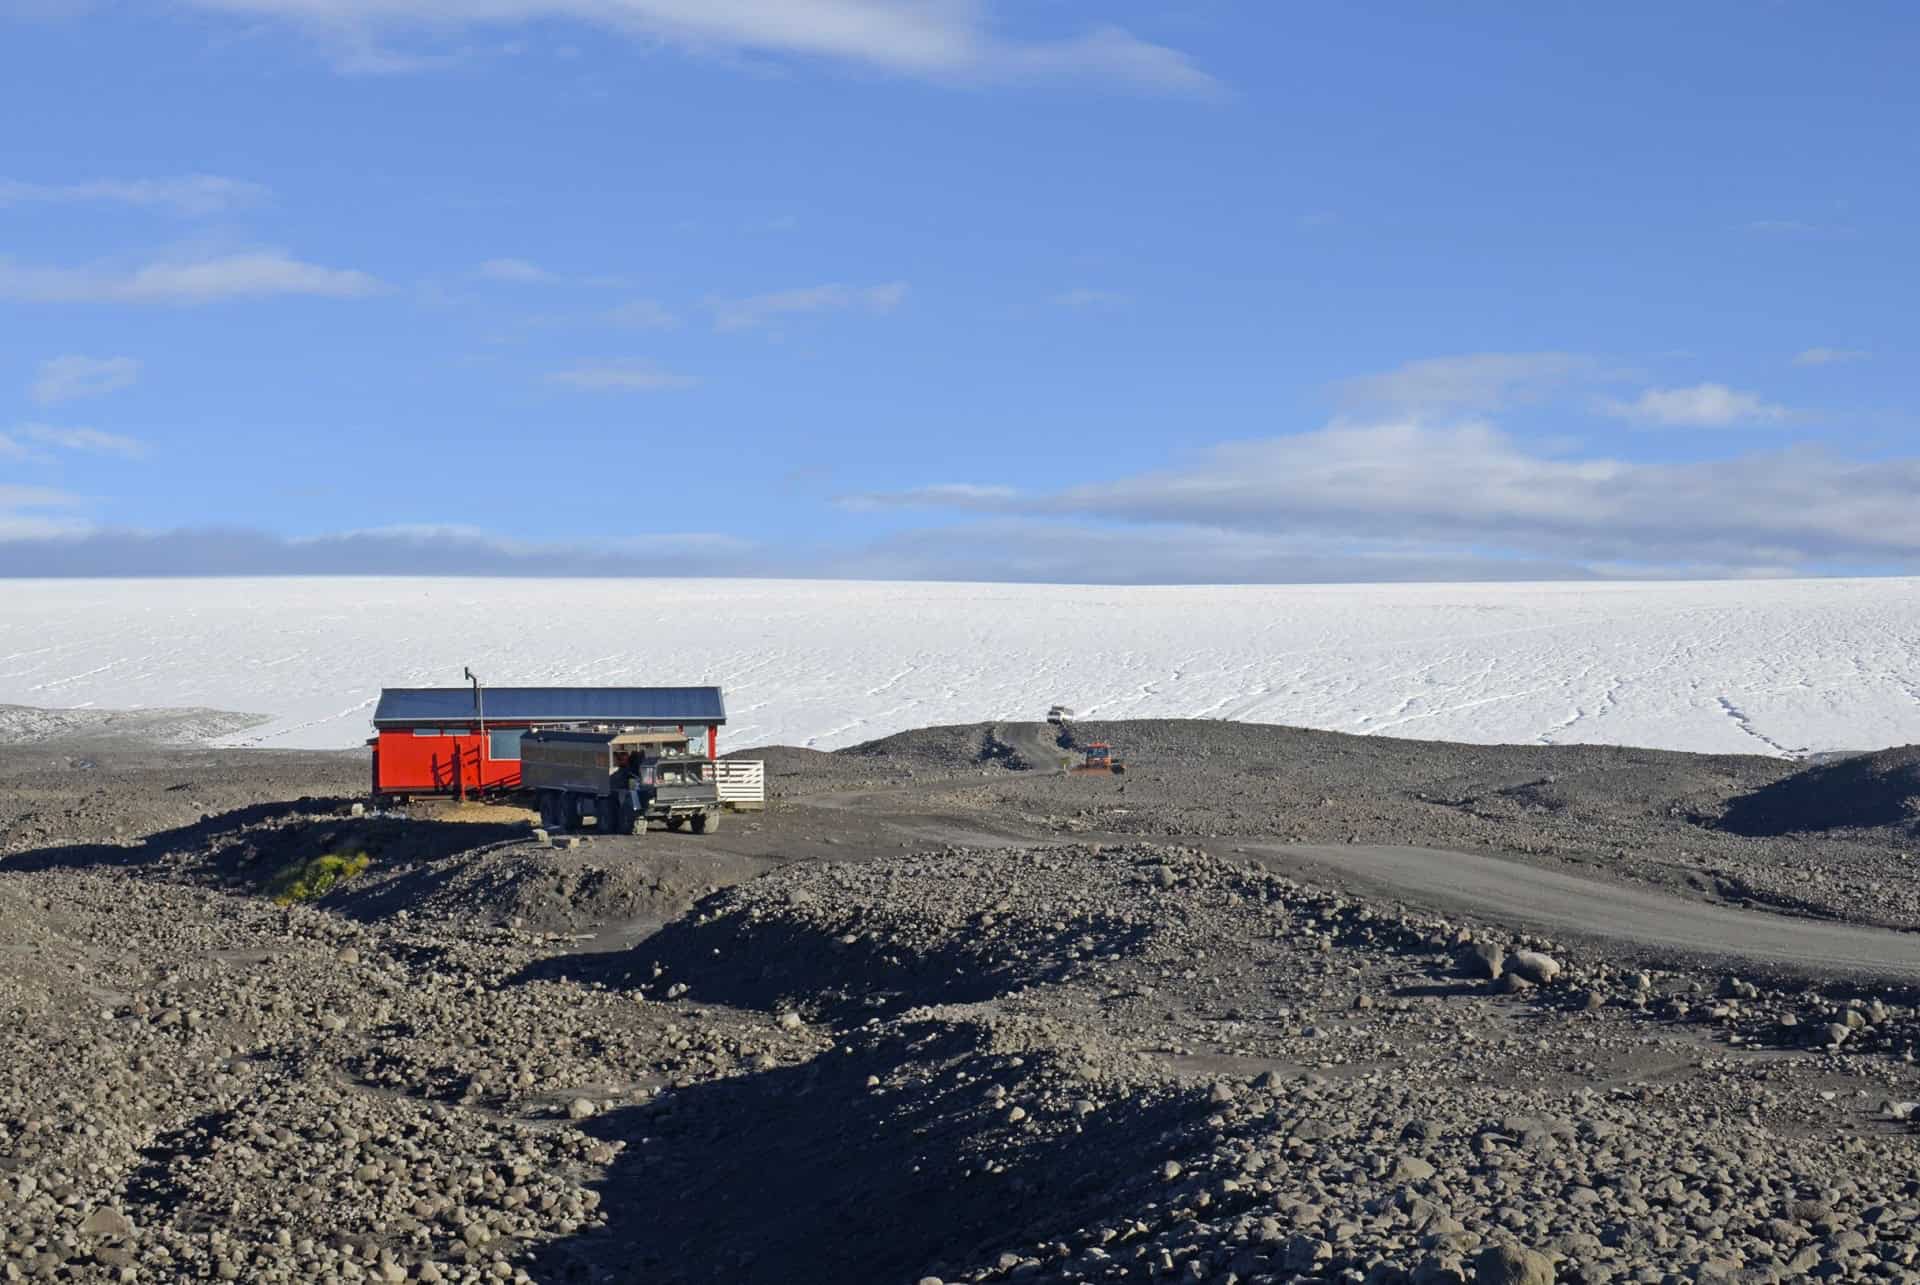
{"x": 1783, "y": 667}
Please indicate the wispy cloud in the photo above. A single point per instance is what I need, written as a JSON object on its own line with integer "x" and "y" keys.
{"x": 621, "y": 377}
{"x": 1829, "y": 356}
{"x": 952, "y": 41}
{"x": 938, "y": 495}
{"x": 1472, "y": 381}
{"x": 642, "y": 314}
{"x": 1107, "y": 55}
{"x": 1796, "y": 228}
{"x": 191, "y": 194}
{"x": 1471, "y": 489}
{"x": 41, "y": 546}
{"x": 1052, "y": 551}
{"x": 69, "y": 378}
{"x": 253, "y": 274}
{"x": 1701, "y": 406}
{"x": 764, "y": 309}
{"x": 1392, "y": 500}
{"x": 516, "y": 272}
{"x": 24, "y": 516}
{"x": 1085, "y": 299}
{"x": 28, "y": 441}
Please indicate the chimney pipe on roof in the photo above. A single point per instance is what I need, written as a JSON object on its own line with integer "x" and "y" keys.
{"x": 480, "y": 712}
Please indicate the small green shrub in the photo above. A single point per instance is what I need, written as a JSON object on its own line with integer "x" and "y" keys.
{"x": 307, "y": 879}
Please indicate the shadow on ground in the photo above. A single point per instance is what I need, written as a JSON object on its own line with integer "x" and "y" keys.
{"x": 724, "y": 955}
{"x": 1860, "y": 792}
{"x": 247, "y": 845}
{"x": 808, "y": 1173}
{"x": 200, "y": 836}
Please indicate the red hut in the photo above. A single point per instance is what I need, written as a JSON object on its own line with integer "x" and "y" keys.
{"x": 447, "y": 740}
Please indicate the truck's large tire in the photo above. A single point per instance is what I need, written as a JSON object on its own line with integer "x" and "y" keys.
{"x": 706, "y": 822}
{"x": 550, "y": 811}
{"x": 676, "y": 823}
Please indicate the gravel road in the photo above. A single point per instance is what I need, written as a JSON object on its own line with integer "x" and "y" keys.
{"x": 1529, "y": 897}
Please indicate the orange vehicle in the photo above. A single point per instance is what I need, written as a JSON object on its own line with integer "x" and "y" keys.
{"x": 1101, "y": 758}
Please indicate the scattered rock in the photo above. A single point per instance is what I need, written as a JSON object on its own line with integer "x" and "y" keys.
{"x": 107, "y": 1221}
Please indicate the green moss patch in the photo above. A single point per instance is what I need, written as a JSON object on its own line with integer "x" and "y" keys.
{"x": 304, "y": 880}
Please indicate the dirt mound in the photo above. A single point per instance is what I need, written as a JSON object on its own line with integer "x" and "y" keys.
{"x": 1867, "y": 791}
{"x": 958, "y": 926}
{"x": 922, "y": 756}
{"x": 529, "y": 886}
{"x": 929, "y": 746}
{"x": 793, "y": 770}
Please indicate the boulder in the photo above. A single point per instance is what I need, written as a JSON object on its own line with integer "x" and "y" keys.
{"x": 1534, "y": 966}
{"x": 107, "y": 1221}
{"x": 1512, "y": 1265}
{"x": 1483, "y": 959}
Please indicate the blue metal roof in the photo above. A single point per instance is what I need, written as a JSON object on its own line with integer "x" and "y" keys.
{"x": 400, "y": 705}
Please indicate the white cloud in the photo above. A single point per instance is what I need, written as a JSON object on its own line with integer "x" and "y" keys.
{"x": 943, "y": 40}
{"x": 516, "y": 271}
{"x": 21, "y": 510}
{"x": 1701, "y": 406}
{"x": 192, "y": 194}
{"x": 1829, "y": 356}
{"x": 1106, "y": 54}
{"x": 90, "y": 441}
{"x": 65, "y": 379}
{"x": 47, "y": 10}
{"x": 1084, "y": 299}
{"x": 252, "y": 274}
{"x": 1379, "y": 501}
{"x": 763, "y": 309}
{"x": 1472, "y": 381}
{"x": 1064, "y": 552}
{"x": 621, "y": 376}
{"x": 658, "y": 543}
{"x": 642, "y": 314}
{"x": 1797, "y": 228}
{"x": 1472, "y": 489}
{"x": 943, "y": 494}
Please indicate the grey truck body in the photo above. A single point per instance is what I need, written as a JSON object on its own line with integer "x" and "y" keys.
{"x": 620, "y": 781}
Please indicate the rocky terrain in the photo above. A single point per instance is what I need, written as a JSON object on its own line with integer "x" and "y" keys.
{"x": 945, "y": 1014}
{"x": 28, "y": 725}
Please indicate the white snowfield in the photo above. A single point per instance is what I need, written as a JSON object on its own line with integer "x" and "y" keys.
{"x": 1768, "y": 667}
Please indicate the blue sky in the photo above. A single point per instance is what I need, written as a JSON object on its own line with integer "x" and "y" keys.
{"x": 1174, "y": 292}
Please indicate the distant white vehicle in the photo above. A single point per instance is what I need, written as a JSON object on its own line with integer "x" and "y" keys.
{"x": 1059, "y": 714}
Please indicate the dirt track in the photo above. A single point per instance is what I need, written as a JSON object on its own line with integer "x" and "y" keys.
{"x": 1528, "y": 897}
